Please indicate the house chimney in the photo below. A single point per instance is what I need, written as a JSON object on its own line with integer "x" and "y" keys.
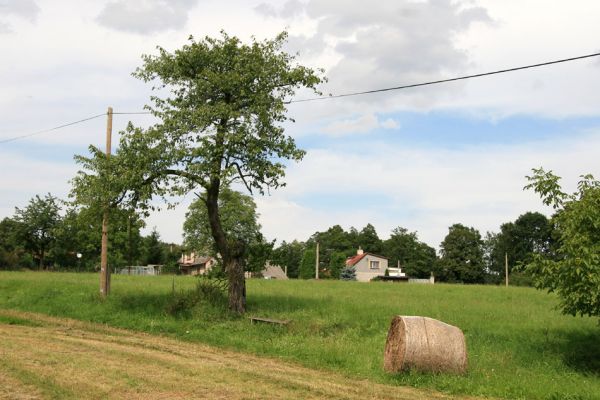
{"x": 359, "y": 251}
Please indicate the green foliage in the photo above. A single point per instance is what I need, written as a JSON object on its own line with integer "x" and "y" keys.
{"x": 348, "y": 274}
{"x": 333, "y": 240}
{"x": 519, "y": 348}
{"x": 289, "y": 255}
{"x": 36, "y": 225}
{"x": 239, "y": 221}
{"x": 336, "y": 264}
{"x": 369, "y": 240}
{"x": 307, "y": 265}
{"x": 10, "y": 249}
{"x": 209, "y": 293}
{"x": 220, "y": 122}
{"x": 153, "y": 250}
{"x": 531, "y": 233}
{"x": 574, "y": 274}
{"x": 417, "y": 259}
{"x": 462, "y": 256}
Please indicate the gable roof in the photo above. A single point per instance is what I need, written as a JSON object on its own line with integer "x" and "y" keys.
{"x": 351, "y": 261}
{"x": 354, "y": 260}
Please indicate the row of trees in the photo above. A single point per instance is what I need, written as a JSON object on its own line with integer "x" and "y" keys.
{"x": 50, "y": 234}
{"x": 465, "y": 256}
{"x": 43, "y": 234}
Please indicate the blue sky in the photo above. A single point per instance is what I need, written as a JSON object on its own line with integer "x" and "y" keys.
{"x": 422, "y": 158}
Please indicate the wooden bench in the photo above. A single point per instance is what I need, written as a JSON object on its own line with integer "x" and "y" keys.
{"x": 270, "y": 321}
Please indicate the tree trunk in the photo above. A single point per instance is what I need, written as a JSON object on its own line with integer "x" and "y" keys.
{"x": 237, "y": 285}
{"x": 231, "y": 253}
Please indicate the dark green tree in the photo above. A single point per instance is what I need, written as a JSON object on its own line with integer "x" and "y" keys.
{"x": 416, "y": 258}
{"x": 152, "y": 249}
{"x": 369, "y": 240}
{"x": 239, "y": 221}
{"x": 220, "y": 122}
{"x": 574, "y": 271}
{"x": 462, "y": 256}
{"x": 37, "y": 225}
{"x": 289, "y": 255}
{"x": 307, "y": 265}
{"x": 336, "y": 263}
{"x": 333, "y": 240}
{"x": 11, "y": 251}
{"x": 348, "y": 274}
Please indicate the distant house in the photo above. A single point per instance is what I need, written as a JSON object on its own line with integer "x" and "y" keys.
{"x": 367, "y": 265}
{"x": 269, "y": 272}
{"x": 192, "y": 264}
{"x": 150, "y": 269}
{"x": 273, "y": 272}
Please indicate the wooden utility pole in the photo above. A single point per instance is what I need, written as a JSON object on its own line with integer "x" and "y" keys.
{"x": 104, "y": 269}
{"x": 317, "y": 263}
{"x": 506, "y": 268}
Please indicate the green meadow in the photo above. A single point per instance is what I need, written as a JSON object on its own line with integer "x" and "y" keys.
{"x": 519, "y": 345}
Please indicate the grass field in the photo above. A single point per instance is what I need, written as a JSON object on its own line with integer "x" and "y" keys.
{"x": 45, "y": 357}
{"x": 519, "y": 345}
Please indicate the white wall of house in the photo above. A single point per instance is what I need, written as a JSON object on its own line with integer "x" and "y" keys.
{"x": 369, "y": 267}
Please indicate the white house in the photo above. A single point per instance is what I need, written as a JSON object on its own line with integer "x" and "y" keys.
{"x": 367, "y": 265}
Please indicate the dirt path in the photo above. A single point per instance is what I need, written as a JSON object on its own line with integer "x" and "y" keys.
{"x": 44, "y": 358}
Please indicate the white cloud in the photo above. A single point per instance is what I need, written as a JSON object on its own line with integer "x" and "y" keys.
{"x": 24, "y": 9}
{"x": 390, "y": 123}
{"x": 145, "y": 16}
{"x": 362, "y": 124}
{"x": 422, "y": 189}
{"x": 24, "y": 176}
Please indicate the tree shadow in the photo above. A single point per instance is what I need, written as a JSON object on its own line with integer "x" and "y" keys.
{"x": 269, "y": 303}
{"x": 581, "y": 351}
{"x": 142, "y": 303}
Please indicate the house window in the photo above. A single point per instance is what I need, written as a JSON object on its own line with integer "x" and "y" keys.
{"x": 374, "y": 264}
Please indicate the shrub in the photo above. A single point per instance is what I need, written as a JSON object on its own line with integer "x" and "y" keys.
{"x": 348, "y": 274}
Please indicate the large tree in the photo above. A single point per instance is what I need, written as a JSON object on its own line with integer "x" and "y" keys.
{"x": 416, "y": 258}
{"x": 369, "y": 240}
{"x": 574, "y": 271}
{"x": 531, "y": 233}
{"x": 37, "y": 225}
{"x": 289, "y": 255}
{"x": 220, "y": 105}
{"x": 462, "y": 255}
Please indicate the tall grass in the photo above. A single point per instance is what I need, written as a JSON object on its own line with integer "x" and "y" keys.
{"x": 519, "y": 345}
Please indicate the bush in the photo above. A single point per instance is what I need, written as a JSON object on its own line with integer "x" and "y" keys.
{"x": 209, "y": 292}
{"x": 348, "y": 274}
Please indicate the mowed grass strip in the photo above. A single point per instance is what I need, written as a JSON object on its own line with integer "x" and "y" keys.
{"x": 520, "y": 346}
{"x": 62, "y": 359}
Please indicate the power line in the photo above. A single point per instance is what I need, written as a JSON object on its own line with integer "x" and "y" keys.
{"x": 51, "y": 129}
{"x": 66, "y": 125}
{"x": 132, "y": 113}
{"x": 502, "y": 71}
{"x": 388, "y": 89}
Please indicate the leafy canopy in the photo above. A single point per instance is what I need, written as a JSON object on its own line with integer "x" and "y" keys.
{"x": 574, "y": 274}
{"x": 462, "y": 255}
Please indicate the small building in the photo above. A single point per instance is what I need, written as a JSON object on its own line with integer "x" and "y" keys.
{"x": 192, "y": 264}
{"x": 273, "y": 272}
{"x": 268, "y": 272}
{"x": 367, "y": 265}
{"x": 150, "y": 269}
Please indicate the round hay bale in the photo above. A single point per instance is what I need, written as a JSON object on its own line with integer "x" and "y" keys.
{"x": 424, "y": 344}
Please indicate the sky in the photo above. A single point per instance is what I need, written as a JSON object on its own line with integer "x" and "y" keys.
{"x": 422, "y": 158}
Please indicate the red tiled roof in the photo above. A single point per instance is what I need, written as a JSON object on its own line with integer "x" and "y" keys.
{"x": 354, "y": 260}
